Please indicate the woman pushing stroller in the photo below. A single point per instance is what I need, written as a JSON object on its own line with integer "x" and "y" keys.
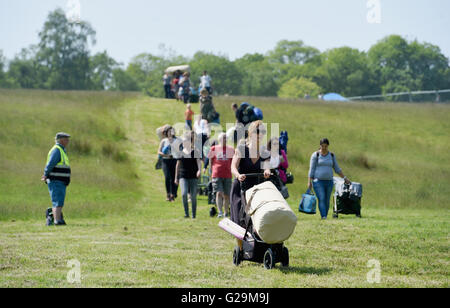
{"x": 246, "y": 160}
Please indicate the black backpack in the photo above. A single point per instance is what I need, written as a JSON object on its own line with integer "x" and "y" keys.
{"x": 248, "y": 115}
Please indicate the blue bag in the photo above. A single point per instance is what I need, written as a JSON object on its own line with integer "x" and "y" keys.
{"x": 308, "y": 203}
{"x": 166, "y": 149}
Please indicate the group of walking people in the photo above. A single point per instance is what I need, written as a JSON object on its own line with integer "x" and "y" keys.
{"x": 183, "y": 159}
{"x": 180, "y": 87}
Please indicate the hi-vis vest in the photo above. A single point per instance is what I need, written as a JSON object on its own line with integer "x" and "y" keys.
{"x": 61, "y": 172}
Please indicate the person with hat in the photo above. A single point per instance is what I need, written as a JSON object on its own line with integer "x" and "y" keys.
{"x": 57, "y": 177}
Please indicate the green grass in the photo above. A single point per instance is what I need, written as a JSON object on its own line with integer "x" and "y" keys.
{"x": 103, "y": 182}
{"x": 125, "y": 235}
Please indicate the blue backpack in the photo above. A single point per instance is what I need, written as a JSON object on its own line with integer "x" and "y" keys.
{"x": 284, "y": 141}
{"x": 308, "y": 203}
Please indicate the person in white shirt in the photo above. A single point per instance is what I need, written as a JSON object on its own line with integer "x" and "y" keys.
{"x": 206, "y": 82}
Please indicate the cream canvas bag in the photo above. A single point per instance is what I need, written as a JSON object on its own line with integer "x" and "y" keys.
{"x": 272, "y": 217}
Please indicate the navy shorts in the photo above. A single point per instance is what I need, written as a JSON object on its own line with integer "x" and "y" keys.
{"x": 57, "y": 190}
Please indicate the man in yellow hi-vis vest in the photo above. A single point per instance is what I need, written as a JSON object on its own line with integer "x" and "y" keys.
{"x": 57, "y": 177}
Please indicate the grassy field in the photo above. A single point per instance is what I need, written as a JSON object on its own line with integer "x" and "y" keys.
{"x": 124, "y": 234}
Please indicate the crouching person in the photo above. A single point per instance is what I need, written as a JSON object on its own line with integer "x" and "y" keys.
{"x": 57, "y": 177}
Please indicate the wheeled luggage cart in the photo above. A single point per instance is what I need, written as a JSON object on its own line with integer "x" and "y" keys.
{"x": 346, "y": 198}
{"x": 253, "y": 248}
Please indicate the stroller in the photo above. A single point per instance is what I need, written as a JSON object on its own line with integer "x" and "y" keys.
{"x": 254, "y": 249}
{"x": 346, "y": 198}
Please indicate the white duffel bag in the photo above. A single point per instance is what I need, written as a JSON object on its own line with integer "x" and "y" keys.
{"x": 273, "y": 219}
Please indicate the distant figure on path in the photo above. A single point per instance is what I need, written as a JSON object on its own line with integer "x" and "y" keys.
{"x": 188, "y": 114}
{"x": 167, "y": 85}
{"x": 57, "y": 177}
{"x": 176, "y": 86}
{"x": 235, "y": 108}
{"x": 207, "y": 107}
{"x": 185, "y": 84}
{"x": 206, "y": 82}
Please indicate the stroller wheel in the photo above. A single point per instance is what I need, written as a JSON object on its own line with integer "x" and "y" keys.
{"x": 269, "y": 259}
{"x": 335, "y": 216}
{"x": 285, "y": 257}
{"x": 237, "y": 256}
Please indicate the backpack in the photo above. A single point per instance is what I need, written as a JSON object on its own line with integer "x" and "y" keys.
{"x": 318, "y": 153}
{"x": 248, "y": 115}
{"x": 284, "y": 140}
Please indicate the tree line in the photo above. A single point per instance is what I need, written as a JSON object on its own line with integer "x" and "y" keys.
{"x": 62, "y": 61}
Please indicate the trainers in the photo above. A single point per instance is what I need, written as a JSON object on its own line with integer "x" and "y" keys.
{"x": 220, "y": 215}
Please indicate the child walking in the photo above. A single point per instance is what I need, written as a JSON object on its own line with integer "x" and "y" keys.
{"x": 188, "y": 114}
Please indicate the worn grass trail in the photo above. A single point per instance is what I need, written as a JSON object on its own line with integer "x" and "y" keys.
{"x": 152, "y": 245}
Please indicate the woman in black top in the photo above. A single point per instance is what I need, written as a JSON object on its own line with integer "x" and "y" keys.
{"x": 247, "y": 159}
{"x": 188, "y": 170}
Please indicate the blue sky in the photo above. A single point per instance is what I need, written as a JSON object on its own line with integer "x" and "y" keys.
{"x": 232, "y": 27}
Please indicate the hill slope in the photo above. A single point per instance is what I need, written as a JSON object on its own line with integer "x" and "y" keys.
{"x": 124, "y": 233}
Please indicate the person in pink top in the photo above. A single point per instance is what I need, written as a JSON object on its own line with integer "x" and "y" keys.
{"x": 220, "y": 157}
{"x": 278, "y": 161}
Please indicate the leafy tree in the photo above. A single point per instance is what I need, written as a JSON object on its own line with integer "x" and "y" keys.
{"x": 428, "y": 64}
{"x": 388, "y": 60}
{"x": 64, "y": 50}
{"x": 2, "y": 65}
{"x": 292, "y": 52}
{"x": 122, "y": 81}
{"x": 25, "y": 71}
{"x": 285, "y": 72}
{"x": 400, "y": 66}
{"x": 257, "y": 76}
{"x": 101, "y": 71}
{"x": 225, "y": 74}
{"x": 5, "y": 80}
{"x": 298, "y": 88}
{"x": 147, "y": 70}
{"x": 345, "y": 70}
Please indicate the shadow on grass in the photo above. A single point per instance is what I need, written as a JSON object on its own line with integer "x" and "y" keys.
{"x": 305, "y": 270}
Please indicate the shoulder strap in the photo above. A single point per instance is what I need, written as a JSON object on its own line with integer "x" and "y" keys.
{"x": 317, "y": 156}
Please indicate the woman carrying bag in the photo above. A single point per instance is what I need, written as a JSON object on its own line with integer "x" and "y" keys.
{"x": 166, "y": 150}
{"x": 320, "y": 176}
